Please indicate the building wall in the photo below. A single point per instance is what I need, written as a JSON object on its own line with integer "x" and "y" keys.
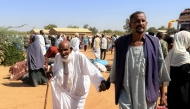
{"x": 53, "y": 32}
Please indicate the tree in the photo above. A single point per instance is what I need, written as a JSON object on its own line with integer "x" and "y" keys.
{"x": 120, "y": 33}
{"x": 11, "y": 45}
{"x": 70, "y": 26}
{"x": 85, "y": 26}
{"x": 107, "y": 31}
{"x": 93, "y": 29}
{"x": 126, "y": 26}
{"x": 50, "y": 26}
{"x": 152, "y": 29}
{"x": 5, "y": 31}
{"x": 171, "y": 30}
{"x": 11, "y": 55}
{"x": 162, "y": 28}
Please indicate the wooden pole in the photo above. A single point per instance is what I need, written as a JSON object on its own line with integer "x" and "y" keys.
{"x": 45, "y": 103}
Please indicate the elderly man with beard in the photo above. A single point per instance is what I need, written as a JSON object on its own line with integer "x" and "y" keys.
{"x": 138, "y": 68}
{"x": 71, "y": 77}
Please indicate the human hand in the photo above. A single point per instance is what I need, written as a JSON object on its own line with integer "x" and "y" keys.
{"x": 45, "y": 68}
{"x": 163, "y": 101}
{"x": 26, "y": 69}
{"x": 49, "y": 75}
{"x": 105, "y": 85}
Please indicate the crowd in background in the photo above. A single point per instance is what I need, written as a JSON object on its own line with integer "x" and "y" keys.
{"x": 100, "y": 43}
{"x": 47, "y": 46}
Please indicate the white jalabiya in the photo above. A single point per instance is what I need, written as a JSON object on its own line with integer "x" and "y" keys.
{"x": 80, "y": 73}
{"x": 96, "y": 47}
{"x": 75, "y": 42}
{"x": 132, "y": 95}
{"x": 96, "y": 52}
{"x": 104, "y": 43}
{"x": 58, "y": 40}
{"x": 42, "y": 44}
{"x": 178, "y": 55}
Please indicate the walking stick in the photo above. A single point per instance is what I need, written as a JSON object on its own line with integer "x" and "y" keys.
{"x": 45, "y": 103}
{"x": 46, "y": 71}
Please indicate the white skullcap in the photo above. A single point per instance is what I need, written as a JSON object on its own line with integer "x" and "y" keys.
{"x": 77, "y": 34}
{"x": 98, "y": 35}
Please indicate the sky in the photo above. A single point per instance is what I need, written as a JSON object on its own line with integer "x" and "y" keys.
{"x": 102, "y": 14}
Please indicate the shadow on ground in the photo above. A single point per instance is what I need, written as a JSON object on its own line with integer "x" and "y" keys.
{"x": 109, "y": 59}
{"x": 6, "y": 77}
{"x": 16, "y": 84}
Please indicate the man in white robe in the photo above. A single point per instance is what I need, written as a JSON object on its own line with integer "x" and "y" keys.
{"x": 75, "y": 42}
{"x": 58, "y": 39}
{"x": 96, "y": 46}
{"x": 72, "y": 74}
{"x": 42, "y": 42}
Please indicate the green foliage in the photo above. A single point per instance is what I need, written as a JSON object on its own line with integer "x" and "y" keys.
{"x": 12, "y": 55}
{"x": 126, "y": 26}
{"x": 107, "y": 31}
{"x": 50, "y": 26}
{"x": 117, "y": 32}
{"x": 11, "y": 46}
{"x": 85, "y": 26}
{"x": 70, "y": 26}
{"x": 171, "y": 30}
{"x": 120, "y": 33}
{"x": 162, "y": 28}
{"x": 5, "y": 31}
{"x": 152, "y": 29}
{"x": 93, "y": 29}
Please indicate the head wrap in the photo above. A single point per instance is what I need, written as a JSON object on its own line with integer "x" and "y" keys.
{"x": 98, "y": 35}
{"x": 178, "y": 55}
{"x": 76, "y": 34}
{"x": 35, "y": 58}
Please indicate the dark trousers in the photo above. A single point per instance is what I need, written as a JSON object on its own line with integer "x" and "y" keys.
{"x": 85, "y": 47}
{"x": 37, "y": 77}
{"x": 178, "y": 96}
{"x": 104, "y": 53}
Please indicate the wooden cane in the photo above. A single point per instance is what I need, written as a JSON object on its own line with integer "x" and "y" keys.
{"x": 46, "y": 71}
{"x": 45, "y": 103}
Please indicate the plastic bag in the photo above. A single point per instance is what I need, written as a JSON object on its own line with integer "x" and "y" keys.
{"x": 101, "y": 67}
{"x": 161, "y": 107}
{"x": 103, "y": 62}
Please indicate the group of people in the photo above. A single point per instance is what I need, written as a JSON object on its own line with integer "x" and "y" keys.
{"x": 101, "y": 44}
{"x": 45, "y": 55}
{"x": 142, "y": 66}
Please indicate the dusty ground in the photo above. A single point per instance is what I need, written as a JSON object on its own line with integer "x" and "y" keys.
{"x": 17, "y": 95}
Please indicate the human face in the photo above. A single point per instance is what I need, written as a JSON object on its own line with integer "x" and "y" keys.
{"x": 163, "y": 36}
{"x": 30, "y": 40}
{"x": 64, "y": 50}
{"x": 138, "y": 23}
